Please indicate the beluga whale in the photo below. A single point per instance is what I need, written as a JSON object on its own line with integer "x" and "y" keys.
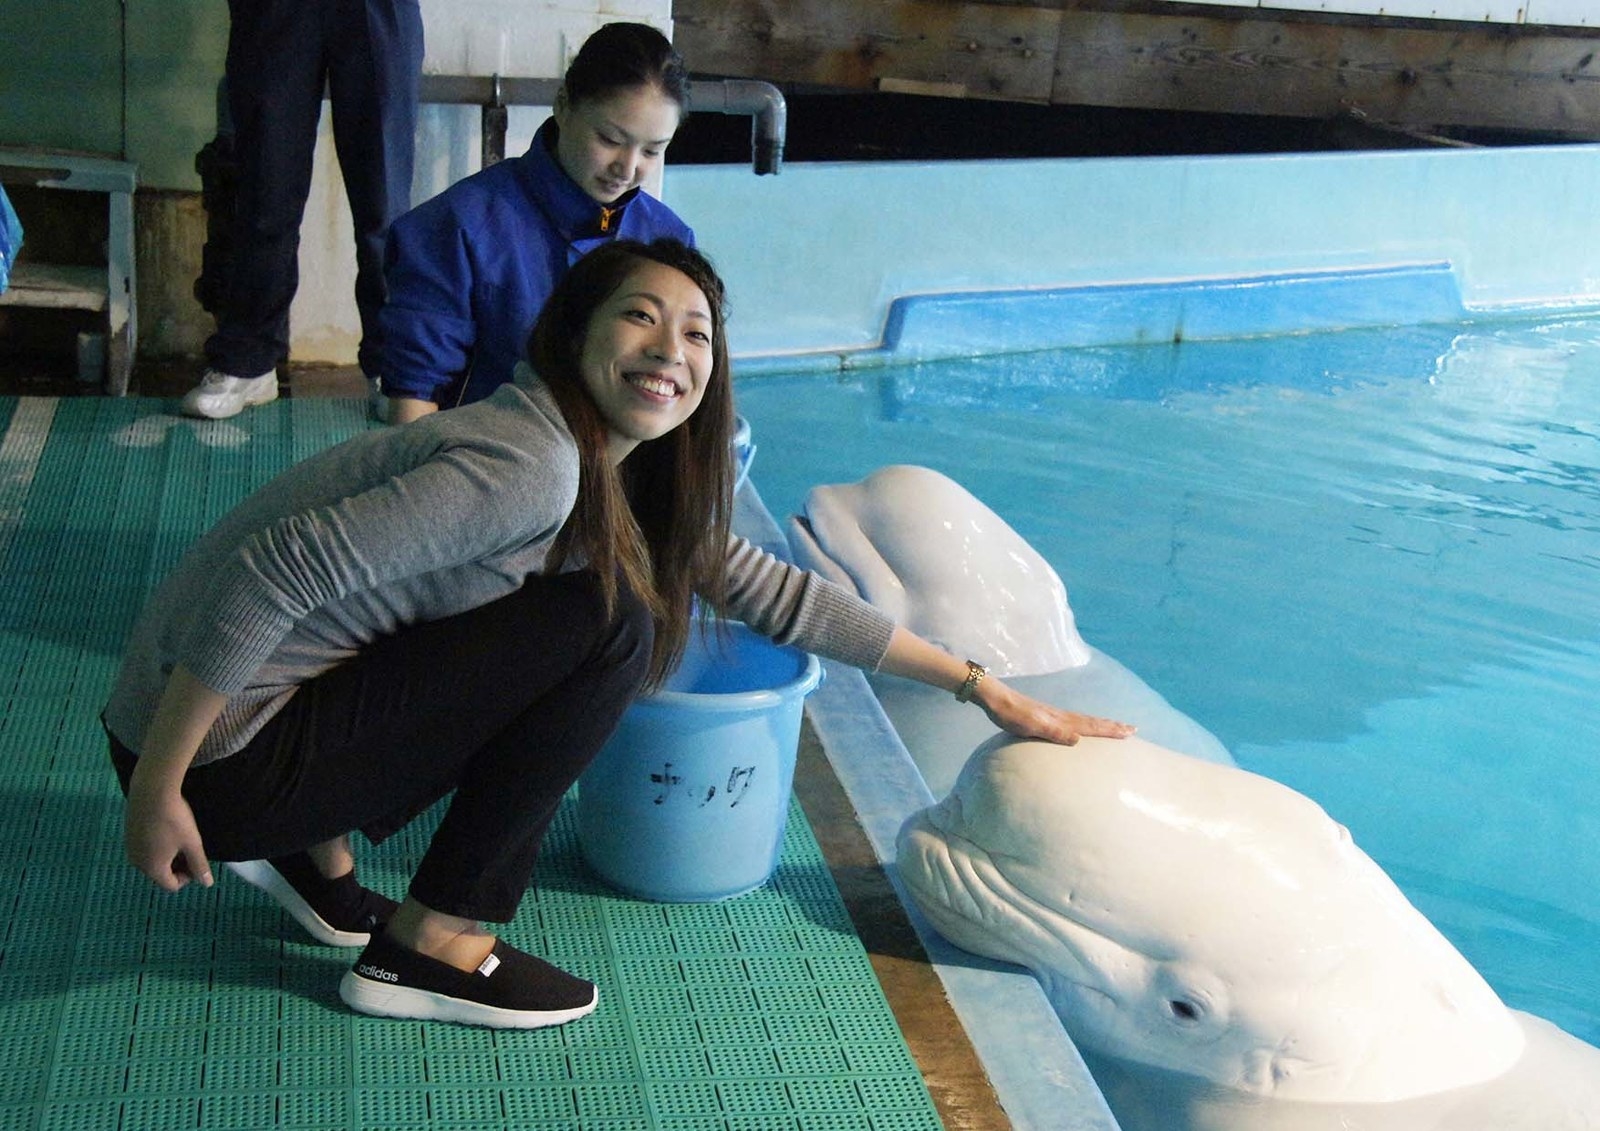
{"x": 915, "y": 544}
{"x": 919, "y": 546}
{"x": 1225, "y": 955}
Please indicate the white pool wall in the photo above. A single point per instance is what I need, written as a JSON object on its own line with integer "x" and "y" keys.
{"x": 816, "y": 257}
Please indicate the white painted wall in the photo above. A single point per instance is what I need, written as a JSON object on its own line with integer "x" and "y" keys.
{"x": 520, "y": 38}
{"x": 1563, "y": 13}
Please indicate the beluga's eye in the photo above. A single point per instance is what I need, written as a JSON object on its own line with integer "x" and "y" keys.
{"x": 1184, "y": 1011}
{"x": 1190, "y": 998}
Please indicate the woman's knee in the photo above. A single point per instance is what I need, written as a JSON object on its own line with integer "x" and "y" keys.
{"x": 622, "y": 636}
{"x": 632, "y": 633}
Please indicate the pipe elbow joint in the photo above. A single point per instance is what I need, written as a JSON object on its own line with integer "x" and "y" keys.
{"x": 768, "y": 112}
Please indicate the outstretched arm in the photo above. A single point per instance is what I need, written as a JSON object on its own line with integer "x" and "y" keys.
{"x": 913, "y": 657}
{"x": 793, "y": 606}
{"x": 160, "y": 834}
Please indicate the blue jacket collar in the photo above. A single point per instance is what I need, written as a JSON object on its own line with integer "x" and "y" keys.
{"x": 571, "y": 210}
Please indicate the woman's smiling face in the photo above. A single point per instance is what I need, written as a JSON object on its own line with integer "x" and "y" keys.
{"x": 647, "y": 355}
{"x": 610, "y": 145}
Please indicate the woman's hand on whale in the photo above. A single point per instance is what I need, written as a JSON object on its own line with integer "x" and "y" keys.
{"x": 1025, "y": 717}
{"x": 915, "y": 658}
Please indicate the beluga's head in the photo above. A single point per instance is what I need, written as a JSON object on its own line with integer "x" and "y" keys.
{"x": 918, "y": 546}
{"x": 1202, "y": 919}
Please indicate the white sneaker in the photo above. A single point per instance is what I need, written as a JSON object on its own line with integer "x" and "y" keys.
{"x": 219, "y": 395}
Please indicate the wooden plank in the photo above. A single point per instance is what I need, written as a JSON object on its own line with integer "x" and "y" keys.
{"x": 983, "y": 50}
{"x": 56, "y": 169}
{"x": 57, "y": 287}
{"x": 1151, "y": 55}
{"x": 1456, "y": 75}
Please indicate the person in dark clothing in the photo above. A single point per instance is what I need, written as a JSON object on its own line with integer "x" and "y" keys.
{"x": 282, "y": 56}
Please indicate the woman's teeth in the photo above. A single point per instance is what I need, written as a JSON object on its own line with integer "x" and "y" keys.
{"x": 661, "y": 386}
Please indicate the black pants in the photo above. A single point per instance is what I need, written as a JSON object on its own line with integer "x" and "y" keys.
{"x": 282, "y": 54}
{"x": 505, "y": 705}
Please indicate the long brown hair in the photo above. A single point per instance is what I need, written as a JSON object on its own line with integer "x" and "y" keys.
{"x": 659, "y": 522}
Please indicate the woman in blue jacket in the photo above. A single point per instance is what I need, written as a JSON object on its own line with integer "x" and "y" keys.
{"x": 468, "y": 271}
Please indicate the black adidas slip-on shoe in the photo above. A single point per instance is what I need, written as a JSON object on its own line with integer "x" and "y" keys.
{"x": 510, "y": 990}
{"x": 334, "y": 912}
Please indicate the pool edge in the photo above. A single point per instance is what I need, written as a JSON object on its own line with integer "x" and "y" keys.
{"x": 1035, "y": 1070}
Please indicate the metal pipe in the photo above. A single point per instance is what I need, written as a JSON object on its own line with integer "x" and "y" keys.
{"x": 489, "y": 90}
{"x": 762, "y": 101}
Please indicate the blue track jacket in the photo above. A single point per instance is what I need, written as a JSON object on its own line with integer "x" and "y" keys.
{"x": 468, "y": 270}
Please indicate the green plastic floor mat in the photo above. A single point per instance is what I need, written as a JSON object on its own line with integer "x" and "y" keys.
{"x": 125, "y": 1008}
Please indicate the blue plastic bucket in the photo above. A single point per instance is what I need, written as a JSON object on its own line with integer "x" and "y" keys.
{"x": 687, "y": 801}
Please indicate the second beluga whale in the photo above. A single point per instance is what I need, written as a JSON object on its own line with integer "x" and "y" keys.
{"x": 922, "y": 548}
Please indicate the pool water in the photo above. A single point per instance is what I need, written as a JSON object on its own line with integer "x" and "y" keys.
{"x": 1368, "y": 562}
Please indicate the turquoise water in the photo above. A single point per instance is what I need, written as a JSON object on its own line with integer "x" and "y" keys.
{"x": 1369, "y": 562}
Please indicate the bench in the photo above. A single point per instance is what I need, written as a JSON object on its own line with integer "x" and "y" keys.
{"x": 108, "y": 290}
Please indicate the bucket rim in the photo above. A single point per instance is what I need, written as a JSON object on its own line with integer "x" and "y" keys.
{"x": 761, "y": 698}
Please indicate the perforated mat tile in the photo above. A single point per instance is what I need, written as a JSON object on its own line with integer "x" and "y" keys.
{"x": 125, "y": 1009}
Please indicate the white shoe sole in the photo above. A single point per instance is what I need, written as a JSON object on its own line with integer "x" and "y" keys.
{"x": 260, "y": 874}
{"x": 195, "y": 406}
{"x": 380, "y": 999}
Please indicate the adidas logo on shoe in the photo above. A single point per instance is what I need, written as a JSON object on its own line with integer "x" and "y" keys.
{"x": 510, "y": 989}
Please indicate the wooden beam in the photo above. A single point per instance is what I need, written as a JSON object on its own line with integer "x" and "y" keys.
{"x": 1410, "y": 73}
{"x": 978, "y": 50}
{"x": 1134, "y": 54}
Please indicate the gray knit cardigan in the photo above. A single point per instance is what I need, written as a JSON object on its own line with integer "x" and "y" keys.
{"x": 396, "y": 527}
